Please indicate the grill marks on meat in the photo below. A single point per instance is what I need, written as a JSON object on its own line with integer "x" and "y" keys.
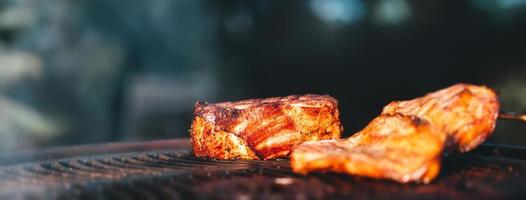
{"x": 405, "y": 143}
{"x": 262, "y": 128}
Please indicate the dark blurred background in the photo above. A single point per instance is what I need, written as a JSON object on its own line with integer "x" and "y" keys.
{"x": 90, "y": 71}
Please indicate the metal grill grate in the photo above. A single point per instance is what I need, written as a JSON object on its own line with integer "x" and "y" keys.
{"x": 490, "y": 172}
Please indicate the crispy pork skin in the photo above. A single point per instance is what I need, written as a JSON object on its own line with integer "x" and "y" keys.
{"x": 262, "y": 128}
{"x": 406, "y": 141}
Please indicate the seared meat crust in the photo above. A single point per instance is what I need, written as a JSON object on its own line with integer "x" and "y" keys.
{"x": 406, "y": 141}
{"x": 466, "y": 113}
{"x": 262, "y": 128}
{"x": 395, "y": 147}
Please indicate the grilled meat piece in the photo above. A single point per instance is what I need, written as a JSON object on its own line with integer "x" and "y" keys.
{"x": 394, "y": 147}
{"x": 262, "y": 128}
{"x": 459, "y": 117}
{"x": 466, "y": 113}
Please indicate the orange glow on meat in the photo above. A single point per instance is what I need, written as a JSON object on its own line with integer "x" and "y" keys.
{"x": 262, "y": 128}
{"x": 405, "y": 143}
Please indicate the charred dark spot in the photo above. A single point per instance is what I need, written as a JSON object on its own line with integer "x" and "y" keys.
{"x": 417, "y": 121}
{"x": 271, "y": 110}
{"x": 228, "y": 112}
{"x": 226, "y": 116}
{"x": 275, "y": 105}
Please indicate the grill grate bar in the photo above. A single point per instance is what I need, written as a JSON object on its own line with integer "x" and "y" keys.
{"x": 178, "y": 175}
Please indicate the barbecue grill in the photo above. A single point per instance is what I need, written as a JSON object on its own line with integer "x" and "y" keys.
{"x": 167, "y": 170}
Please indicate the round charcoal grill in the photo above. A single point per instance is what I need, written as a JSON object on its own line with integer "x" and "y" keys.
{"x": 167, "y": 170}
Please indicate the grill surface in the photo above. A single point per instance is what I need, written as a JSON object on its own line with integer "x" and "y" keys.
{"x": 167, "y": 170}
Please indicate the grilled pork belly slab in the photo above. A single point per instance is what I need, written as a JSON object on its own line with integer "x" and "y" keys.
{"x": 262, "y": 128}
{"x": 394, "y": 147}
